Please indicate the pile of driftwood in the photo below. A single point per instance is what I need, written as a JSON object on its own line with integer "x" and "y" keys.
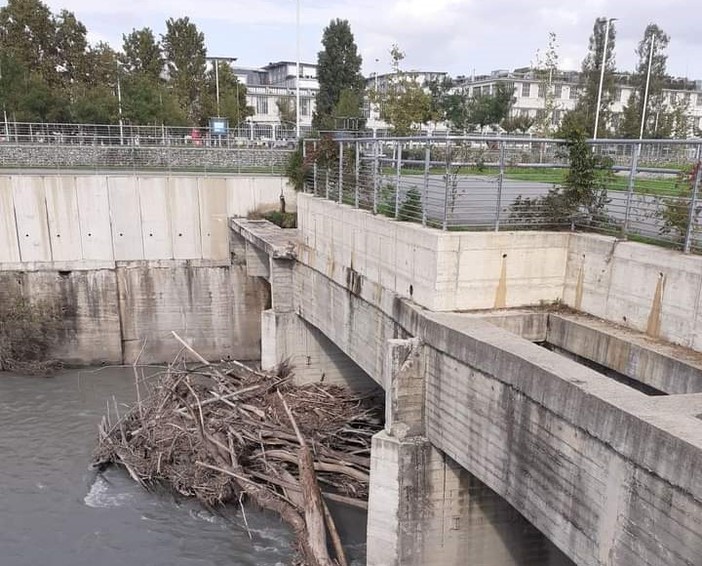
{"x": 228, "y": 433}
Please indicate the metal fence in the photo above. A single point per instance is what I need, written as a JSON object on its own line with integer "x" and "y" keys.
{"x": 645, "y": 190}
{"x": 246, "y": 134}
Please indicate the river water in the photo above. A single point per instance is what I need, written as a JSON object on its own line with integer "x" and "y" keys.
{"x": 56, "y": 511}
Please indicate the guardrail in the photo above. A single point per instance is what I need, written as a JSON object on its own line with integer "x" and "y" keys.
{"x": 647, "y": 190}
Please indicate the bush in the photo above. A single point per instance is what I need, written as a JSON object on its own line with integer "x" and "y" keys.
{"x": 28, "y": 332}
{"x": 674, "y": 211}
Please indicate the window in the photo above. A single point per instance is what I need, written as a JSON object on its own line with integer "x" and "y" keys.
{"x": 261, "y": 105}
{"x": 558, "y": 91}
{"x": 542, "y": 91}
{"x": 573, "y": 93}
{"x": 526, "y": 90}
{"x": 304, "y": 107}
{"x": 699, "y": 100}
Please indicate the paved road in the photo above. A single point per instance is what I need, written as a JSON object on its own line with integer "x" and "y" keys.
{"x": 475, "y": 202}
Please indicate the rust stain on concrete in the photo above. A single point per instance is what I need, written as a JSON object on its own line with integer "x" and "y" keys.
{"x": 501, "y": 293}
{"x": 654, "y": 318}
{"x": 579, "y": 287}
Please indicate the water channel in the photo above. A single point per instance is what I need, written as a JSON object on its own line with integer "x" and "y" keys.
{"x": 56, "y": 511}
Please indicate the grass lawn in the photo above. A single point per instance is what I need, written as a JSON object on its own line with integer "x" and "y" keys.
{"x": 657, "y": 185}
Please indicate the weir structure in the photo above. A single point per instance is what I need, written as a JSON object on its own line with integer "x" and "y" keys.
{"x": 543, "y": 389}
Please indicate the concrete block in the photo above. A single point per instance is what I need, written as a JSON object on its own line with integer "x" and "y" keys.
{"x": 155, "y": 218}
{"x": 9, "y": 243}
{"x": 185, "y": 217}
{"x": 30, "y": 214}
{"x": 63, "y": 217}
{"x": 94, "y": 218}
{"x": 126, "y": 218}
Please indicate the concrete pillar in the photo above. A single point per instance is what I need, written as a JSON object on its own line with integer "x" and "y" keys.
{"x": 424, "y": 509}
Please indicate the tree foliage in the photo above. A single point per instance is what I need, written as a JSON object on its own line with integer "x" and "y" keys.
{"x": 186, "y": 61}
{"x": 631, "y": 121}
{"x": 546, "y": 71}
{"x": 403, "y": 102}
{"x": 338, "y": 70}
{"x": 585, "y": 111}
{"x": 142, "y": 54}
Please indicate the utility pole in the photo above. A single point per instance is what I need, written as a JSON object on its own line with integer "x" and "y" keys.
{"x": 119, "y": 109}
{"x": 648, "y": 82}
{"x": 297, "y": 78}
{"x": 602, "y": 71}
{"x": 216, "y": 64}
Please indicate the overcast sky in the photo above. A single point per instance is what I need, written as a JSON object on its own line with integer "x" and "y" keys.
{"x": 458, "y": 36}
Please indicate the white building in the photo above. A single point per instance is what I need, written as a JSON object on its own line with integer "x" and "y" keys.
{"x": 274, "y": 86}
{"x": 530, "y": 94}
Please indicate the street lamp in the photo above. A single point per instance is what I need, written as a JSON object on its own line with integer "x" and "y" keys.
{"x": 216, "y": 61}
{"x": 297, "y": 78}
{"x": 602, "y": 70}
{"x": 648, "y": 82}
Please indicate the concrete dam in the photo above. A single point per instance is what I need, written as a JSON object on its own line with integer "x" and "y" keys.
{"x": 543, "y": 390}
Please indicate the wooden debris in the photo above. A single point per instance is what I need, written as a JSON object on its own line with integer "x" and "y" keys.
{"x": 226, "y": 432}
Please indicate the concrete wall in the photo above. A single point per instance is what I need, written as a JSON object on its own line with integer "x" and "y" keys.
{"x": 120, "y": 312}
{"x": 129, "y": 258}
{"x": 87, "y": 218}
{"x": 647, "y": 288}
{"x": 438, "y": 270}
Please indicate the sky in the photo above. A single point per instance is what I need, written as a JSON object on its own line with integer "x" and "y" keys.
{"x": 461, "y": 37}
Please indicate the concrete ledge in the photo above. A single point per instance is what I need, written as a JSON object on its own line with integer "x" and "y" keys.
{"x": 277, "y": 242}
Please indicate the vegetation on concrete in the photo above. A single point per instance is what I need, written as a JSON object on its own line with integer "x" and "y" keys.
{"x": 28, "y": 333}
{"x": 676, "y": 211}
{"x": 582, "y": 197}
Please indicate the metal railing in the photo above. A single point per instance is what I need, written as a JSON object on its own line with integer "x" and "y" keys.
{"x": 246, "y": 134}
{"x": 645, "y": 190}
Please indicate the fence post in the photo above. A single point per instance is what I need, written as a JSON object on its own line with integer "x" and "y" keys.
{"x": 398, "y": 146}
{"x": 693, "y": 204}
{"x": 427, "y": 165}
{"x": 340, "y": 184}
{"x": 314, "y": 169}
{"x": 447, "y": 186}
{"x": 326, "y": 182}
{"x": 357, "y": 172}
{"x": 630, "y": 190}
{"x": 500, "y": 180}
{"x": 376, "y": 180}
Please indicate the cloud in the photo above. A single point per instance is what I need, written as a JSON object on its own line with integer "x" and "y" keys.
{"x": 453, "y": 35}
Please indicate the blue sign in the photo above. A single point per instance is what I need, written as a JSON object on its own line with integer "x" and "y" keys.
{"x": 219, "y": 126}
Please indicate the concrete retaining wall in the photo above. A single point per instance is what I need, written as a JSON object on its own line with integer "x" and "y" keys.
{"x": 647, "y": 288}
{"x": 118, "y": 313}
{"x": 85, "y": 218}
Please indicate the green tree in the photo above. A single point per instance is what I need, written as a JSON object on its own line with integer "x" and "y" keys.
{"x": 287, "y": 109}
{"x": 631, "y": 122}
{"x": 519, "y": 124}
{"x": 185, "y": 55}
{"x": 232, "y": 96}
{"x": 70, "y": 47}
{"x": 28, "y": 35}
{"x": 348, "y": 111}
{"x": 546, "y": 71}
{"x": 491, "y": 109}
{"x": 147, "y": 102}
{"x": 338, "y": 70}
{"x": 585, "y": 111}
{"x": 142, "y": 54}
{"x": 403, "y": 104}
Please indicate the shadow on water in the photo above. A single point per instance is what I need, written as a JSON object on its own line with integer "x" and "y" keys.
{"x": 55, "y": 510}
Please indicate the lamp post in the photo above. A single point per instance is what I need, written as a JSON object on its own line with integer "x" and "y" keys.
{"x": 119, "y": 110}
{"x": 215, "y": 61}
{"x": 297, "y": 78}
{"x": 602, "y": 70}
{"x": 648, "y": 82}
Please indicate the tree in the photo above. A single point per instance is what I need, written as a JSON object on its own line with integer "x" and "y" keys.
{"x": 491, "y": 109}
{"x": 546, "y": 71}
{"x": 27, "y": 35}
{"x": 70, "y": 45}
{"x": 348, "y": 113}
{"x": 232, "y": 96}
{"x": 520, "y": 124}
{"x": 633, "y": 112}
{"x": 287, "y": 110}
{"x": 142, "y": 54}
{"x": 186, "y": 60}
{"x": 403, "y": 104}
{"x": 338, "y": 70}
{"x": 586, "y": 109}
